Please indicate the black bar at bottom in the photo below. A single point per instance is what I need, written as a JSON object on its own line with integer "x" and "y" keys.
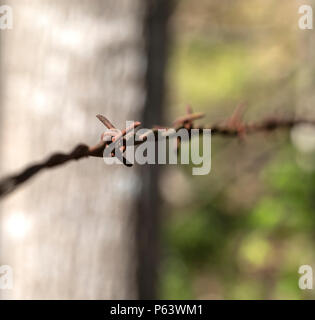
{"x": 134, "y": 309}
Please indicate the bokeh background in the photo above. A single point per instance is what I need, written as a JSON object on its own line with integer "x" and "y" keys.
{"x": 243, "y": 231}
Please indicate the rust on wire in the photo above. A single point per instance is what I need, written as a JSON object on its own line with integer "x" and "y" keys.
{"x": 234, "y": 127}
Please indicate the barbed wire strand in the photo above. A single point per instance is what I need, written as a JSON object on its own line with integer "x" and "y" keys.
{"x": 234, "y": 127}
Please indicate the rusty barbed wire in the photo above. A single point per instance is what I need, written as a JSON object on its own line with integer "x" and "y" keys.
{"x": 234, "y": 127}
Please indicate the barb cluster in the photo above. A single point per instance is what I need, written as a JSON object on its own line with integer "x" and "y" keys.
{"x": 233, "y": 127}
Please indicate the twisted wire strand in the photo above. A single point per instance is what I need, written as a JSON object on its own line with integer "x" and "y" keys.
{"x": 233, "y": 128}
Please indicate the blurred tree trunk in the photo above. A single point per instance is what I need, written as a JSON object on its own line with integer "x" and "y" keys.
{"x": 157, "y": 40}
{"x": 73, "y": 232}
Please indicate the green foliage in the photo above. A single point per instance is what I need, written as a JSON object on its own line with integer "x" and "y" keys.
{"x": 246, "y": 232}
{"x": 254, "y": 254}
{"x": 205, "y": 73}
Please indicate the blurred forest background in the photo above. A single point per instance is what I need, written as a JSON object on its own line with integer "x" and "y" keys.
{"x": 87, "y": 231}
{"x": 243, "y": 231}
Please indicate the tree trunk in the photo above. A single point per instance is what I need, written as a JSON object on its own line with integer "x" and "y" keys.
{"x": 157, "y": 41}
{"x": 71, "y": 233}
